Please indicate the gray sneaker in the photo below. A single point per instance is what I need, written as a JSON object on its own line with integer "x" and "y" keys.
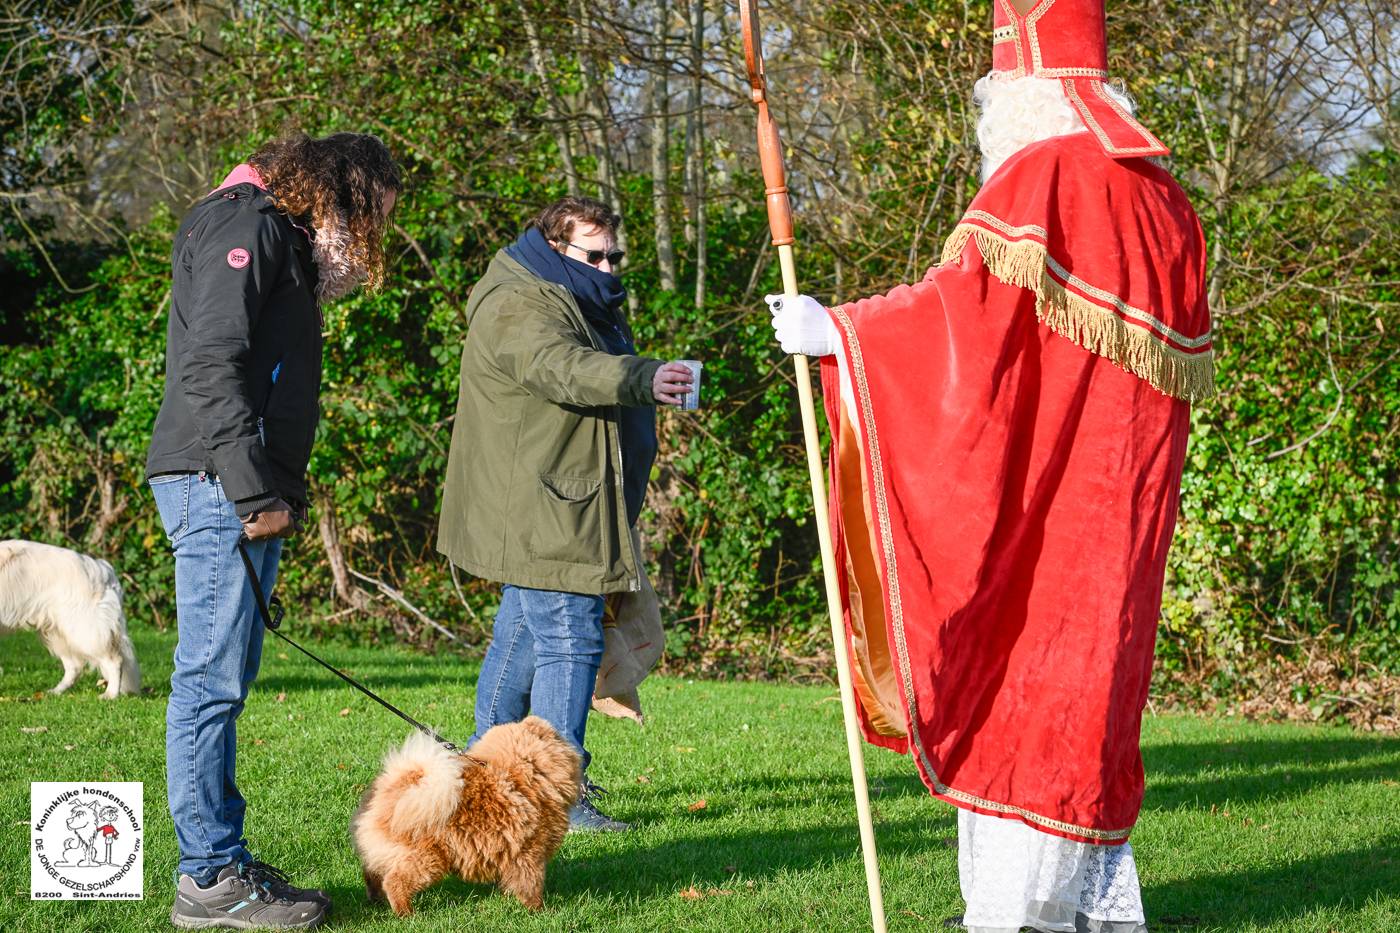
{"x": 236, "y": 901}
{"x": 585, "y": 816}
{"x": 275, "y": 880}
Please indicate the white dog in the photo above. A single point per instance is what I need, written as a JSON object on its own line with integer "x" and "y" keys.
{"x": 74, "y": 602}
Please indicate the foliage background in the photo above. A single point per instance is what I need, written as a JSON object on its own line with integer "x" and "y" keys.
{"x": 1283, "y": 588}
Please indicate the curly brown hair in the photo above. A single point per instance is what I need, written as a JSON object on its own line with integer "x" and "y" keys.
{"x": 334, "y": 182}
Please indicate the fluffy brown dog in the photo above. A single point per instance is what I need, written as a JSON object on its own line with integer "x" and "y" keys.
{"x": 496, "y": 814}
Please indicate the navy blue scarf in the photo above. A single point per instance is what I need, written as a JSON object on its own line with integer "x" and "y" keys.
{"x": 599, "y": 294}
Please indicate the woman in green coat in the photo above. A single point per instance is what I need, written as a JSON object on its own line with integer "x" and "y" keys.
{"x": 552, "y": 445}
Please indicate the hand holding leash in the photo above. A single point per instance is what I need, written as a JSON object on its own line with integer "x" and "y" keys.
{"x": 278, "y": 520}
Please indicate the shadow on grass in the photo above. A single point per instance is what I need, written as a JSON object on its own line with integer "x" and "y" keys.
{"x": 1263, "y": 770}
{"x": 799, "y": 792}
{"x": 1227, "y": 900}
{"x": 1188, "y": 758}
{"x": 634, "y": 869}
{"x": 728, "y": 861}
{"x": 1178, "y": 775}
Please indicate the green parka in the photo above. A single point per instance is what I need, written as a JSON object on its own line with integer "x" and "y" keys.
{"x": 534, "y": 493}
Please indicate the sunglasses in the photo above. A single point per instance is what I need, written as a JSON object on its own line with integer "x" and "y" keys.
{"x": 595, "y": 256}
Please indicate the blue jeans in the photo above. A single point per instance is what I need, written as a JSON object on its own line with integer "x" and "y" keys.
{"x": 216, "y": 658}
{"x": 544, "y": 655}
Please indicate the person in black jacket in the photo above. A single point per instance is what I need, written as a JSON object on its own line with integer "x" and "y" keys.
{"x": 301, "y": 223}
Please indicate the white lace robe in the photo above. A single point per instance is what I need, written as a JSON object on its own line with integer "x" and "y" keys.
{"x": 1014, "y": 876}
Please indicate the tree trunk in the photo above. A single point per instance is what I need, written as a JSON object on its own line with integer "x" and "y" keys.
{"x": 110, "y": 503}
{"x": 696, "y": 147}
{"x": 1225, "y": 166}
{"x": 660, "y": 156}
{"x": 596, "y": 101}
{"x": 346, "y": 591}
{"x": 552, "y": 109}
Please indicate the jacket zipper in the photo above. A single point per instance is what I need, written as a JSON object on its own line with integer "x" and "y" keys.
{"x": 276, "y": 371}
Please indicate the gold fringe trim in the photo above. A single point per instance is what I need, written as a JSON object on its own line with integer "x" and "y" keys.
{"x": 1188, "y": 376}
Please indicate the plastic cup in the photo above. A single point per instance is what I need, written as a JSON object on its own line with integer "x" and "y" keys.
{"x": 691, "y": 400}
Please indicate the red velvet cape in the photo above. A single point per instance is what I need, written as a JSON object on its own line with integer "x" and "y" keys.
{"x": 1004, "y": 496}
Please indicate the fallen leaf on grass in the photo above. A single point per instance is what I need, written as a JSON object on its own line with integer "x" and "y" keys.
{"x": 731, "y": 869}
{"x": 283, "y": 655}
{"x": 69, "y": 748}
{"x": 37, "y": 695}
{"x": 33, "y": 730}
{"x": 345, "y": 712}
{"x": 697, "y": 805}
{"x": 259, "y": 742}
{"x": 685, "y": 749}
{"x": 643, "y": 779}
{"x": 282, "y": 698}
{"x": 693, "y": 893}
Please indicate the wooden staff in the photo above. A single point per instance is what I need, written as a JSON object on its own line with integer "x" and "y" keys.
{"x": 770, "y": 153}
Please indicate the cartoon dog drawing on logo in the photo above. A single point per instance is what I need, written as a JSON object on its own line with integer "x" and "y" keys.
{"x": 82, "y": 845}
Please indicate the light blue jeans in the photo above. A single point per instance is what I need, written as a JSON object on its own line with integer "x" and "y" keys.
{"x": 545, "y": 650}
{"x": 216, "y": 659}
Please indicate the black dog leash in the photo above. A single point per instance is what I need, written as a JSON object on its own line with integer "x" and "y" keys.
{"x": 272, "y": 612}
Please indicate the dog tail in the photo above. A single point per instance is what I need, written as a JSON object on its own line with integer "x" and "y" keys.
{"x": 131, "y": 668}
{"x": 109, "y": 607}
{"x": 420, "y": 787}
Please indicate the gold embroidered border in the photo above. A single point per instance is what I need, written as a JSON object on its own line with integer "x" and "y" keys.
{"x": 1031, "y": 19}
{"x": 1094, "y": 127}
{"x": 896, "y": 609}
{"x": 1003, "y": 34}
{"x": 1102, "y": 93}
{"x": 1096, "y": 73}
{"x": 1014, "y": 17}
{"x": 1138, "y": 349}
{"x": 1006, "y": 228}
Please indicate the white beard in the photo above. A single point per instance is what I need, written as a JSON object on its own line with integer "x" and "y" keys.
{"x": 336, "y": 274}
{"x": 1016, "y": 112}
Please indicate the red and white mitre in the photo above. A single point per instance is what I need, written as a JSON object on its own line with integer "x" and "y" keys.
{"x": 1067, "y": 40}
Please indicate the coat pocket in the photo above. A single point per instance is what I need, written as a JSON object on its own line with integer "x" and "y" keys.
{"x": 568, "y": 524}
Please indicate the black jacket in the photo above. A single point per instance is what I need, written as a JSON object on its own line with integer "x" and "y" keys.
{"x": 243, "y": 351}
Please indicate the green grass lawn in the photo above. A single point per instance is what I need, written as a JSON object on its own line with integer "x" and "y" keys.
{"x": 1246, "y": 827}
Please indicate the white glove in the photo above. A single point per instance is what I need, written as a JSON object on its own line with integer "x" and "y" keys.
{"x": 803, "y": 326}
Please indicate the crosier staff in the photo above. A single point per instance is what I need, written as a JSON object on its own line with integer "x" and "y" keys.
{"x": 780, "y": 225}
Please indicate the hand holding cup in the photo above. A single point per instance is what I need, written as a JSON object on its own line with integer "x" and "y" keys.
{"x": 673, "y": 381}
